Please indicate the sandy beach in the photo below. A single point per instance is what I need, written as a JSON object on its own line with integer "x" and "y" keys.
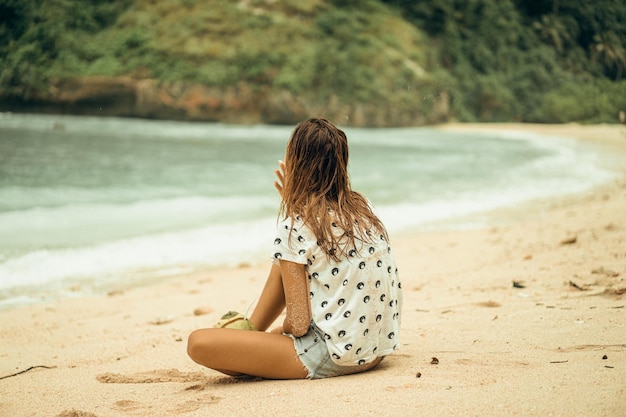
{"x": 526, "y": 317}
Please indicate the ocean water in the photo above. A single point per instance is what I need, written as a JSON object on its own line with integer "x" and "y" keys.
{"x": 89, "y": 204}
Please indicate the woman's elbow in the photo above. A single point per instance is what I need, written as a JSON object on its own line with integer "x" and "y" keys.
{"x": 300, "y": 331}
{"x": 297, "y": 328}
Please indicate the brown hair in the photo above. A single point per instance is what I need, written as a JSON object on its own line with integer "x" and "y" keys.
{"x": 316, "y": 184}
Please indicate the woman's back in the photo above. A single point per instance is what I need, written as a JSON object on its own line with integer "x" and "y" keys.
{"x": 356, "y": 299}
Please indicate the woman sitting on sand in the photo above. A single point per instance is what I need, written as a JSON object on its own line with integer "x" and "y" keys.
{"x": 333, "y": 272}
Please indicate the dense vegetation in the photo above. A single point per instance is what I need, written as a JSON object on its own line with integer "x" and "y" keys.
{"x": 394, "y": 61}
{"x": 541, "y": 60}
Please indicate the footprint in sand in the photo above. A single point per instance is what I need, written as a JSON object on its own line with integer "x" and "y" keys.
{"x": 200, "y": 380}
{"x": 127, "y": 405}
{"x": 154, "y": 376}
{"x": 76, "y": 413}
{"x": 195, "y": 404}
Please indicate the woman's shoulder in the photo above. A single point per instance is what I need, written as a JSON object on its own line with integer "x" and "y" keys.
{"x": 291, "y": 225}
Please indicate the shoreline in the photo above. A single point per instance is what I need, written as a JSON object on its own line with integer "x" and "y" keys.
{"x": 609, "y": 139}
{"x": 81, "y": 280}
{"x": 502, "y": 349}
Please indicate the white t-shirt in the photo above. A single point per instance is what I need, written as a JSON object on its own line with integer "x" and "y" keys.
{"x": 356, "y": 302}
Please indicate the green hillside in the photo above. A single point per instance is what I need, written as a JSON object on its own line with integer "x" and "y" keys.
{"x": 365, "y": 63}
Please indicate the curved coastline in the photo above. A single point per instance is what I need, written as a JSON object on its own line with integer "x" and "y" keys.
{"x": 525, "y": 316}
{"x": 74, "y": 241}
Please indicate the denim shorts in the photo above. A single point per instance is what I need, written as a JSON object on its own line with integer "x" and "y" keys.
{"x": 313, "y": 353}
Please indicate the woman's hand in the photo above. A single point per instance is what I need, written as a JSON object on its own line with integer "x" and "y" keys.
{"x": 280, "y": 173}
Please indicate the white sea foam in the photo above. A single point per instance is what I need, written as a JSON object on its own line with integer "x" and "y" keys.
{"x": 225, "y": 244}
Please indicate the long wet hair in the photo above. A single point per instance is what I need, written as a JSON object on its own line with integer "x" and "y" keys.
{"x": 317, "y": 188}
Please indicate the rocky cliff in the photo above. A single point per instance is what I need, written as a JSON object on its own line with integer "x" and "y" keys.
{"x": 243, "y": 103}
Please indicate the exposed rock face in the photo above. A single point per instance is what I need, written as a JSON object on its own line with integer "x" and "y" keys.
{"x": 243, "y": 103}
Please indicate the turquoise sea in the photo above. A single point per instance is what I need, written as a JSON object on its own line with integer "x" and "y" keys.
{"x": 89, "y": 204}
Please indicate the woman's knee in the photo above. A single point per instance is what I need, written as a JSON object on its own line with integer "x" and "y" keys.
{"x": 197, "y": 344}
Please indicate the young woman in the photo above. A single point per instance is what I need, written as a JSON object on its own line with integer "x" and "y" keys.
{"x": 333, "y": 272}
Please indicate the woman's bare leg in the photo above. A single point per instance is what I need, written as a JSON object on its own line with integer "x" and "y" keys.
{"x": 271, "y": 302}
{"x": 236, "y": 352}
{"x": 240, "y": 352}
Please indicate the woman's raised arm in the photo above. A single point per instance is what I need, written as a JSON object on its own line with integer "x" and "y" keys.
{"x": 297, "y": 302}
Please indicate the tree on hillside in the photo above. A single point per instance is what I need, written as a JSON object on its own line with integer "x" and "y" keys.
{"x": 608, "y": 48}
